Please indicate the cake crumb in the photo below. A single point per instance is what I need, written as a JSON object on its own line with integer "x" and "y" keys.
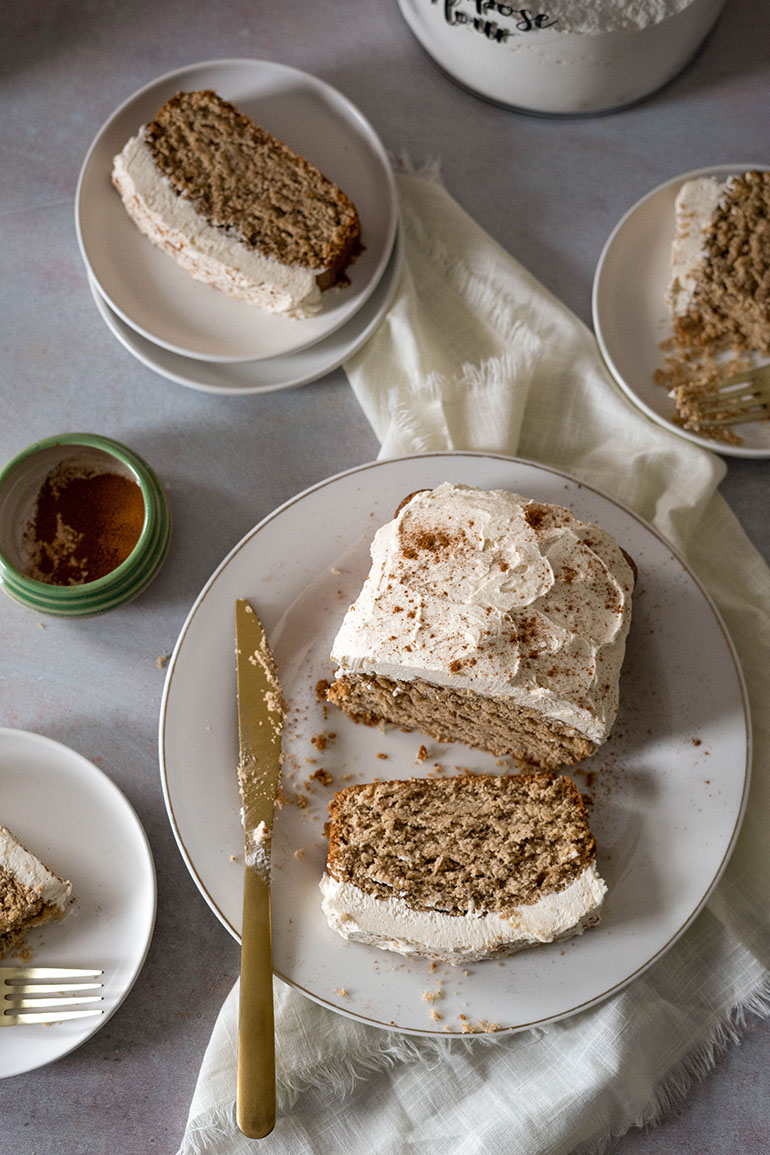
{"x": 479, "y": 1028}
{"x": 162, "y": 661}
{"x": 322, "y": 685}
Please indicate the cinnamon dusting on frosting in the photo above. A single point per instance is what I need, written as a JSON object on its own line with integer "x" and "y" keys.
{"x": 507, "y": 597}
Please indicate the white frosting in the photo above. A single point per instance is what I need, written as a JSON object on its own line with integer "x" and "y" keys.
{"x": 694, "y": 208}
{"x": 258, "y": 845}
{"x": 393, "y": 925}
{"x": 211, "y": 255}
{"x": 500, "y": 608}
{"x": 30, "y": 872}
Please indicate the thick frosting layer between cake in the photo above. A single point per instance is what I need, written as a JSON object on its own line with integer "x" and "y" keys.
{"x": 30, "y": 872}
{"x": 694, "y": 209}
{"x": 506, "y": 597}
{"x": 392, "y": 924}
{"x": 208, "y": 254}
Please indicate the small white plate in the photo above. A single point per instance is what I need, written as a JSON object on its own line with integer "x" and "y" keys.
{"x": 153, "y": 295}
{"x": 79, "y": 823}
{"x": 274, "y": 372}
{"x": 631, "y": 318}
{"x": 667, "y": 789}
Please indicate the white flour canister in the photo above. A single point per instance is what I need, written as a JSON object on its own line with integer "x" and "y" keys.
{"x": 568, "y": 58}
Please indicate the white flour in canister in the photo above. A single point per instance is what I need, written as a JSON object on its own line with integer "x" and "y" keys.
{"x": 568, "y": 57}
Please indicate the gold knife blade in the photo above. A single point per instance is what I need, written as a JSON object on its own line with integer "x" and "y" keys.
{"x": 261, "y": 711}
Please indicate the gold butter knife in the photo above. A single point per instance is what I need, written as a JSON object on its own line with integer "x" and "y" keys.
{"x": 261, "y": 711}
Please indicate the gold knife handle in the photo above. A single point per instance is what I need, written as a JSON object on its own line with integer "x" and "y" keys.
{"x": 256, "y": 1028}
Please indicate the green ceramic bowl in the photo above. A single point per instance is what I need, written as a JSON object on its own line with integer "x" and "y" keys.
{"x": 20, "y": 483}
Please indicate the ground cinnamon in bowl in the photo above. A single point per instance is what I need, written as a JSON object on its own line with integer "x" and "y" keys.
{"x": 85, "y": 524}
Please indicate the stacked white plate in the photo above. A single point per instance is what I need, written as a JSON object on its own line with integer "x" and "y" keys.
{"x": 193, "y": 334}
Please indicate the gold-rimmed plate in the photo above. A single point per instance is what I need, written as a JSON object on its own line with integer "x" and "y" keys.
{"x": 82, "y": 826}
{"x": 632, "y": 321}
{"x": 163, "y": 303}
{"x": 667, "y": 790}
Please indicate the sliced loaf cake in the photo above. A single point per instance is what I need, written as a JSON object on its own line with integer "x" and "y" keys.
{"x": 461, "y": 869}
{"x": 235, "y": 207}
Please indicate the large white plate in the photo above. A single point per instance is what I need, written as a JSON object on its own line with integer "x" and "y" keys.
{"x": 631, "y": 318}
{"x": 667, "y": 790}
{"x": 163, "y": 302}
{"x": 270, "y": 373}
{"x": 78, "y": 821}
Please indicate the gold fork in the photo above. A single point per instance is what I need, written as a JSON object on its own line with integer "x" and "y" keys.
{"x": 44, "y": 995}
{"x": 743, "y": 397}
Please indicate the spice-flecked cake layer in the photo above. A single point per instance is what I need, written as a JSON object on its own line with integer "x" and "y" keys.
{"x": 490, "y": 619}
{"x": 461, "y": 869}
{"x": 235, "y": 207}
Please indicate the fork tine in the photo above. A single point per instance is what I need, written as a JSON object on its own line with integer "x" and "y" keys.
{"x": 20, "y": 1018}
{"x": 746, "y": 375}
{"x": 734, "y": 414}
{"x": 14, "y": 989}
{"x": 50, "y": 1004}
{"x": 10, "y": 973}
{"x": 15, "y": 1004}
{"x": 737, "y": 399}
{"x": 759, "y": 376}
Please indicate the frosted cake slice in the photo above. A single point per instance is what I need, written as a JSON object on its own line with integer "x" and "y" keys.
{"x": 718, "y": 292}
{"x": 30, "y": 893}
{"x": 719, "y": 282}
{"x": 235, "y": 207}
{"x": 490, "y": 619}
{"x": 461, "y": 869}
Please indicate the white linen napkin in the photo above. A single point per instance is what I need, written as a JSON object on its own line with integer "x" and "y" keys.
{"x": 474, "y": 354}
